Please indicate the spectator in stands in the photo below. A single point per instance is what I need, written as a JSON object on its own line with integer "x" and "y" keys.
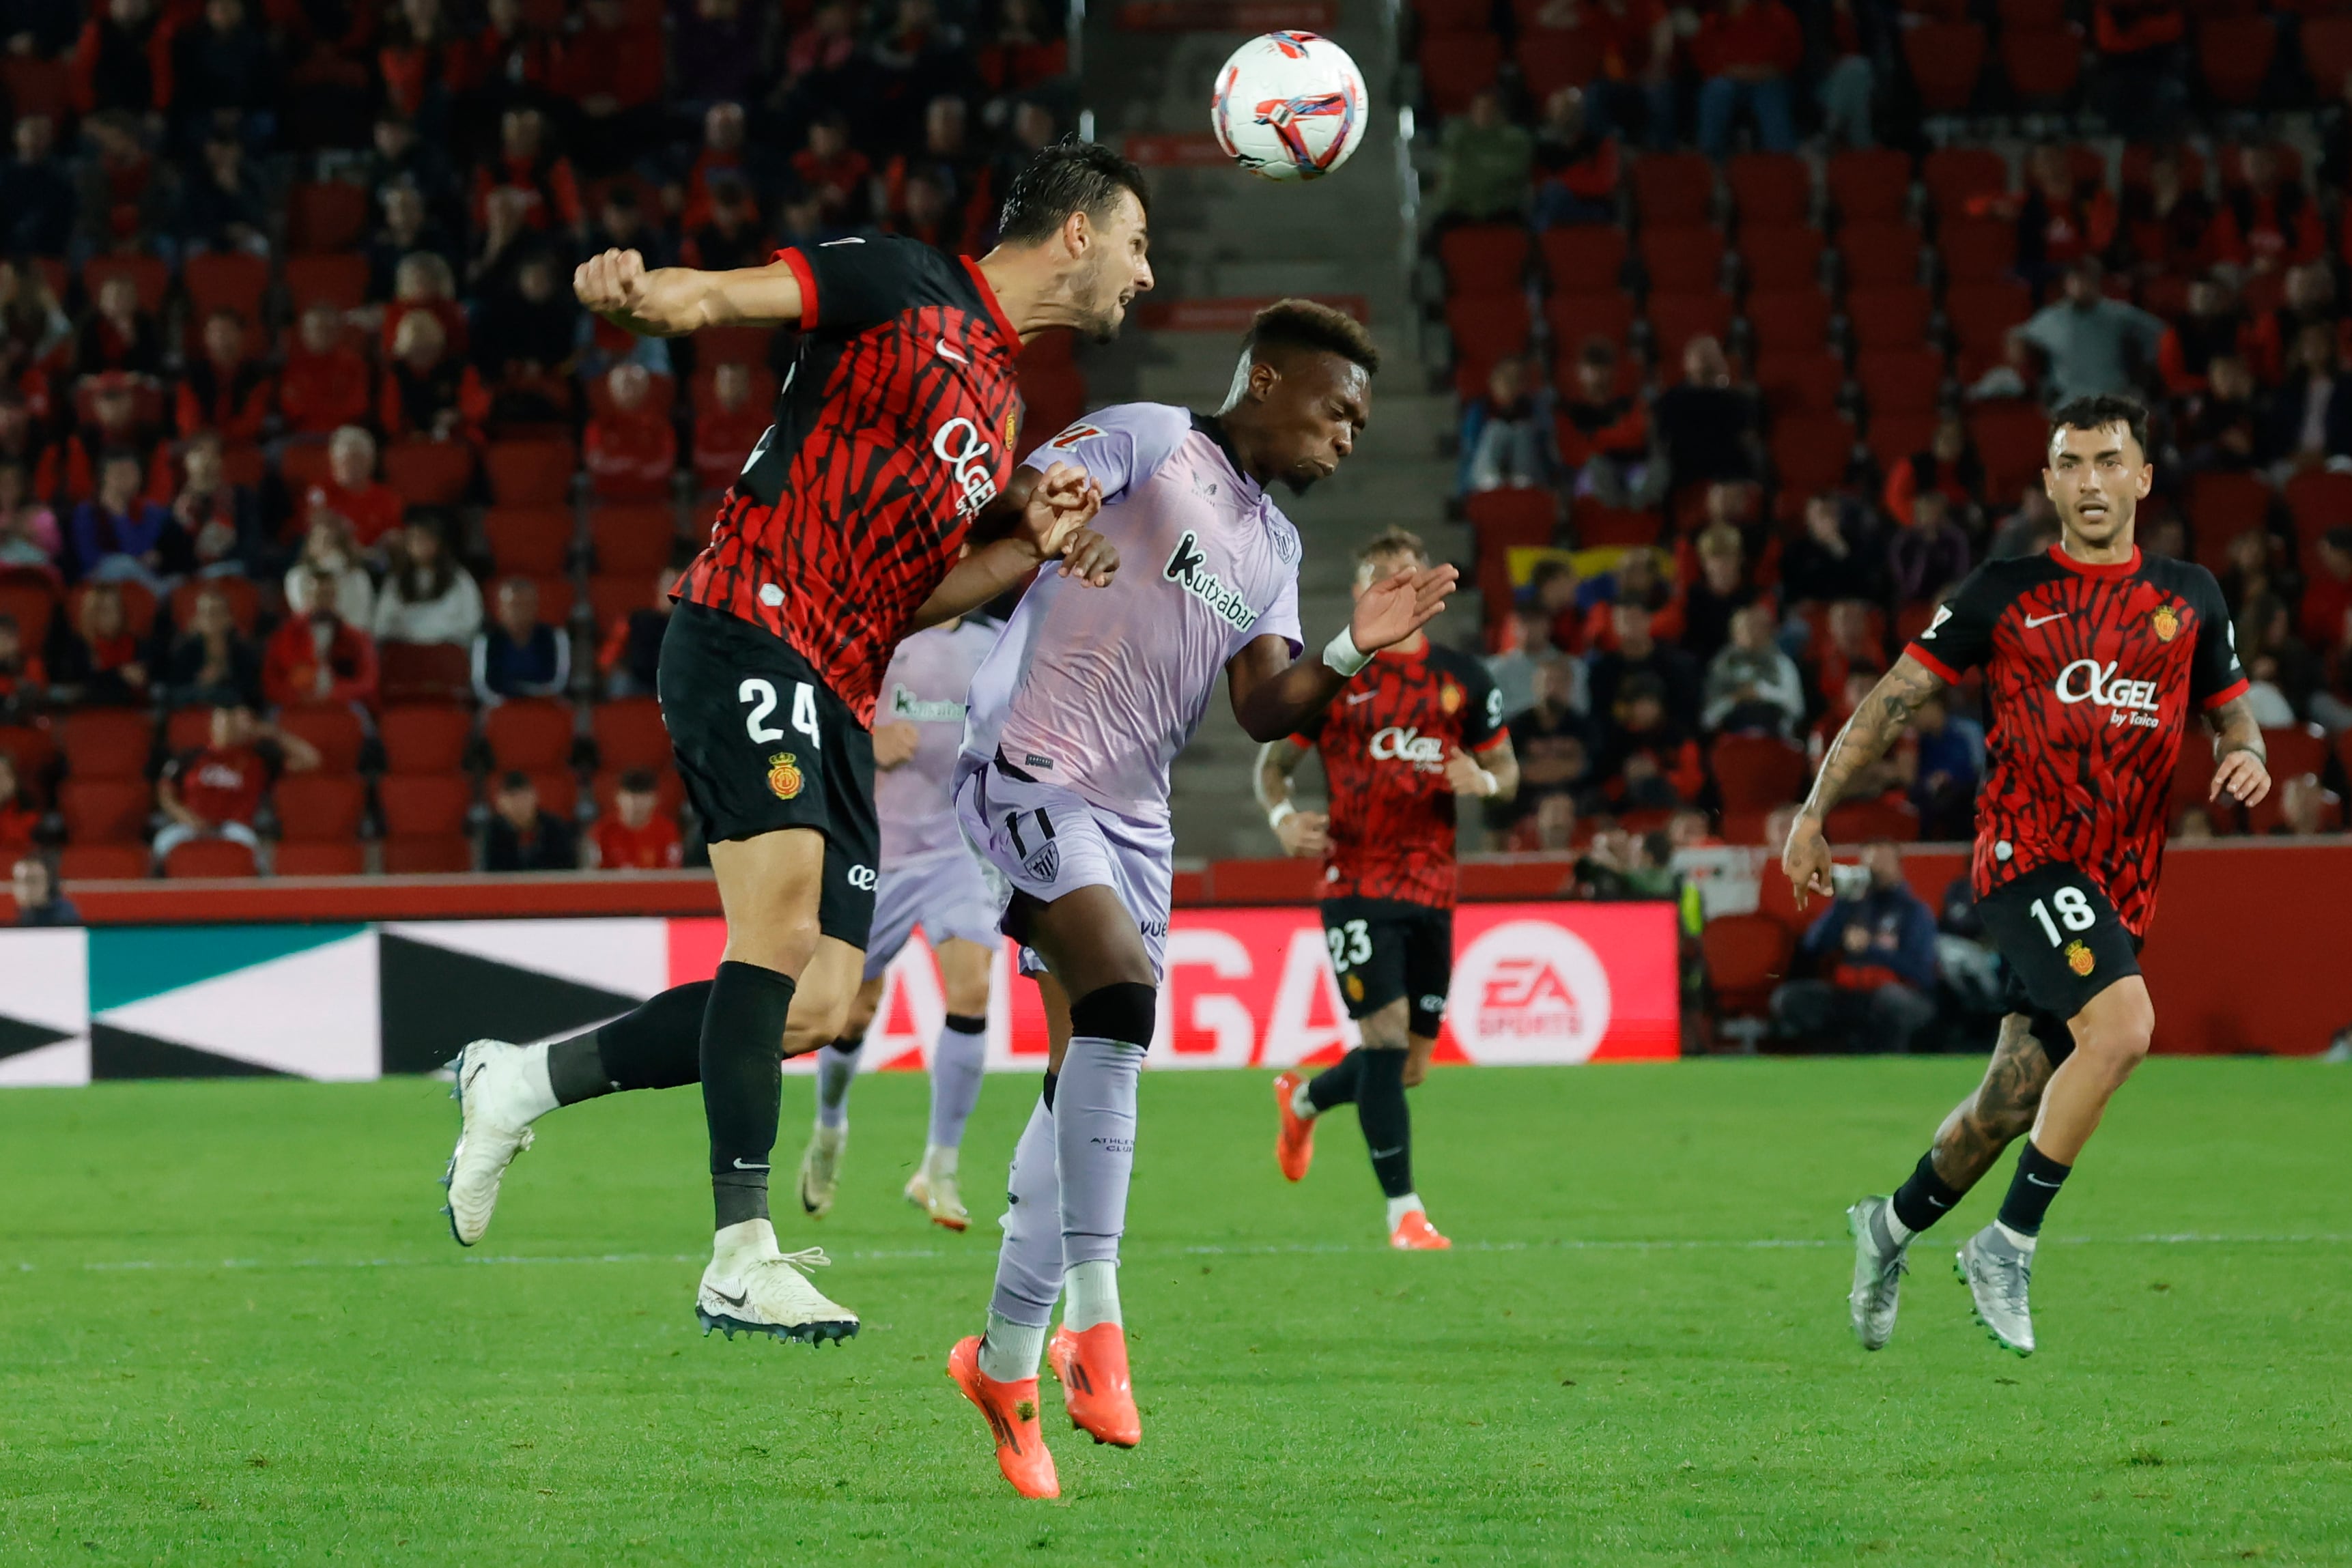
{"x": 2221, "y": 427}
{"x": 2252, "y": 571}
{"x": 2164, "y": 223}
{"x": 401, "y": 159}
{"x": 19, "y": 819}
{"x": 1484, "y": 161}
{"x": 1723, "y": 591}
{"x": 421, "y": 58}
{"x": 2060, "y": 219}
{"x": 958, "y": 171}
{"x": 729, "y": 236}
{"x": 1622, "y": 864}
{"x": 24, "y": 681}
{"x": 2022, "y": 371}
{"x": 1950, "y": 768}
{"x": 1602, "y": 435}
{"x": 1650, "y": 762}
{"x": 508, "y": 71}
{"x": 37, "y": 194}
{"x": 526, "y": 337}
{"x": 632, "y": 650}
{"x": 2213, "y": 327}
{"x": 2302, "y": 806}
{"x": 636, "y": 834}
{"x": 2029, "y": 529}
{"x": 428, "y": 393}
{"x": 1549, "y": 828}
{"x": 1502, "y": 436}
{"x": 1848, "y": 81}
{"x": 2095, "y": 345}
{"x": 921, "y": 213}
{"x": 409, "y": 229}
{"x": 1850, "y": 649}
{"x": 210, "y": 663}
{"x": 1873, "y": 951}
{"x": 519, "y": 655}
{"x": 428, "y": 596}
{"x": 40, "y": 901}
{"x": 100, "y": 662}
{"x": 1747, "y": 51}
{"x": 1931, "y": 554}
{"x": 915, "y": 59}
{"x": 2310, "y": 299}
{"x": 114, "y": 62}
{"x": 822, "y": 63}
{"x": 327, "y": 553}
{"x": 834, "y": 172}
{"x": 326, "y": 384}
{"x": 1554, "y": 591}
{"x": 223, "y": 73}
{"x": 369, "y": 507}
{"x": 621, "y": 225}
{"x": 2283, "y": 673}
{"x": 1551, "y": 739}
{"x": 1576, "y": 167}
{"x": 315, "y": 656}
{"x": 2331, "y": 703}
{"x": 1949, "y": 465}
{"x": 1706, "y": 425}
{"x": 117, "y": 535}
{"x": 126, "y": 196}
{"x": 421, "y": 282}
{"x": 1527, "y": 643}
{"x": 68, "y": 468}
{"x": 632, "y": 448}
{"x": 1753, "y": 687}
{"x": 522, "y": 836}
{"x": 2267, "y": 224}
{"x": 223, "y": 204}
{"x": 715, "y": 51}
{"x": 545, "y": 188}
{"x": 217, "y": 524}
{"x": 610, "y": 67}
{"x": 2325, "y": 597}
{"x": 1634, "y": 579}
{"x": 222, "y": 389}
{"x": 727, "y": 428}
{"x": 1638, "y": 654}
{"x": 2311, "y": 417}
{"x": 119, "y": 335}
{"x": 2141, "y": 82}
{"x": 30, "y": 539}
{"x": 217, "y": 790}
{"x": 34, "y": 332}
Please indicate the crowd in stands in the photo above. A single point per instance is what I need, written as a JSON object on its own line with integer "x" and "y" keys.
{"x": 333, "y": 533}
{"x": 1756, "y": 313}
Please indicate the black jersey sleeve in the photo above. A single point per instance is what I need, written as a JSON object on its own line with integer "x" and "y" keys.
{"x": 1482, "y": 705}
{"x": 1960, "y": 636}
{"x": 850, "y": 284}
{"x": 2214, "y": 675}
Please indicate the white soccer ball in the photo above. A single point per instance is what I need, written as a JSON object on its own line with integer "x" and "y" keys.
{"x": 1289, "y": 106}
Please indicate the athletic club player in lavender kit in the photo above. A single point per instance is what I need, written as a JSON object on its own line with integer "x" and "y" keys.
{"x": 1062, "y": 786}
{"x": 932, "y": 879}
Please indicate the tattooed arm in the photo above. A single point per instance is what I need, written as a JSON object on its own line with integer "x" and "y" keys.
{"x": 1865, "y": 738}
{"x": 2238, "y": 748}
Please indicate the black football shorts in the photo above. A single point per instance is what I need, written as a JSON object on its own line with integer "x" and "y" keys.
{"x": 1383, "y": 948}
{"x": 2063, "y": 944}
{"x": 763, "y": 744}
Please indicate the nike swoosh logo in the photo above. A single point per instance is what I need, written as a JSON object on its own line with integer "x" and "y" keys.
{"x": 2034, "y": 621}
{"x": 1355, "y": 697}
{"x": 1938, "y": 1203}
{"x": 2039, "y": 1182}
{"x": 741, "y": 1166}
{"x": 731, "y": 1301}
{"x": 947, "y": 353}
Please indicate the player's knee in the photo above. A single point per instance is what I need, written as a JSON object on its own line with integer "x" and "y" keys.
{"x": 1123, "y": 1011}
{"x": 2116, "y": 1030}
{"x": 1385, "y": 1030}
{"x": 968, "y": 998}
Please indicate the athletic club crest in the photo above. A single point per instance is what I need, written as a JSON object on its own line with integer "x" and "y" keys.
{"x": 785, "y": 775}
{"x": 2078, "y": 959}
{"x": 1040, "y": 866}
{"x": 2165, "y": 623}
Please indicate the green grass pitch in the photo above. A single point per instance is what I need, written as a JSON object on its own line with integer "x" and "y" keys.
{"x": 234, "y": 1329}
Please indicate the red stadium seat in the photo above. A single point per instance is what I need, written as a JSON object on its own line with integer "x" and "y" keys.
{"x": 1956, "y": 176}
{"x": 1945, "y": 60}
{"x": 1485, "y": 259}
{"x": 1780, "y": 256}
{"x": 1455, "y": 65}
{"x": 106, "y": 743}
{"x": 105, "y": 811}
{"x": 424, "y": 805}
{"x": 529, "y": 473}
{"x": 1758, "y": 771}
{"x": 1879, "y": 253}
{"x": 428, "y": 854}
{"x": 304, "y": 464}
{"x": 1801, "y": 383}
{"x": 1872, "y": 184}
{"x": 2294, "y": 751}
{"x": 1576, "y": 319}
{"x": 423, "y": 673}
{"x": 1601, "y": 528}
{"x": 187, "y": 729}
{"x": 1747, "y": 956}
{"x": 244, "y": 601}
{"x": 559, "y": 791}
{"x": 1894, "y": 316}
{"x": 2233, "y": 57}
{"x": 33, "y": 751}
{"x": 2009, "y": 439}
{"x": 232, "y": 280}
{"x": 661, "y": 392}
{"x": 1550, "y": 59}
{"x": 339, "y": 278}
{"x": 318, "y": 806}
{"x": 1895, "y": 436}
{"x": 733, "y": 345}
{"x": 1859, "y": 822}
{"x": 2318, "y": 500}
{"x": 308, "y": 859}
{"x": 1683, "y": 260}
{"x": 1583, "y": 258}
{"x": 324, "y": 216}
{"x": 103, "y": 862}
{"x": 1676, "y": 319}
{"x": 1977, "y": 250}
{"x": 429, "y": 473}
{"x": 1981, "y": 314}
{"x": 425, "y": 737}
{"x": 1504, "y": 518}
{"x": 1900, "y": 381}
{"x": 1790, "y": 321}
{"x": 1672, "y": 189}
{"x": 2031, "y": 15}
{"x": 629, "y": 733}
{"x": 1769, "y": 188}
{"x": 531, "y": 541}
{"x": 332, "y": 727}
{"x": 533, "y": 733}
{"x": 633, "y": 538}
{"x": 34, "y": 86}
{"x": 33, "y": 602}
{"x": 210, "y": 857}
{"x": 2327, "y": 53}
{"x": 1812, "y": 452}
{"x": 1452, "y": 15}
{"x": 2222, "y": 506}
{"x": 150, "y": 274}
{"x": 612, "y": 597}
{"x": 2043, "y": 65}
{"x": 1488, "y": 329}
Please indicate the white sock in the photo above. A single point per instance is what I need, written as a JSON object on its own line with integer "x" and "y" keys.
{"x": 1009, "y": 1352}
{"x": 939, "y": 1159}
{"x": 1401, "y": 1207}
{"x": 1090, "y": 1295}
{"x": 1895, "y": 1229}
{"x": 746, "y": 1242}
{"x": 1300, "y": 1106}
{"x": 538, "y": 1094}
{"x": 2017, "y": 1238}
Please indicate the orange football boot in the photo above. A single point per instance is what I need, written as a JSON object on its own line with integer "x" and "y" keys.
{"x": 1092, "y": 1365}
{"x": 1010, "y": 1411}
{"x": 1416, "y": 1234}
{"x": 1293, "y": 1146}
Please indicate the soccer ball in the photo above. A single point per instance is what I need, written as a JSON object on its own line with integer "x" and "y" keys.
{"x": 1289, "y": 106}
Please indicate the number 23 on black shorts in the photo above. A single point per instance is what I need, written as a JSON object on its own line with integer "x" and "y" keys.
{"x": 2062, "y": 939}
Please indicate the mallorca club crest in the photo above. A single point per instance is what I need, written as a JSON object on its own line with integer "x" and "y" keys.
{"x": 2165, "y": 622}
{"x": 1449, "y": 697}
{"x": 783, "y": 775}
{"x": 1355, "y": 984}
{"x": 2079, "y": 960}
{"x": 1012, "y": 428}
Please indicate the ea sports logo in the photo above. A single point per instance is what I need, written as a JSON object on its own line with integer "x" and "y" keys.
{"x": 1529, "y": 993}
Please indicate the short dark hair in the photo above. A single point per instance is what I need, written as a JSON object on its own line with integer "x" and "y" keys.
{"x": 2097, "y": 413}
{"x": 638, "y": 781}
{"x": 2338, "y": 537}
{"x": 512, "y": 779}
{"x": 1393, "y": 539}
{"x": 1064, "y": 177}
{"x": 1304, "y": 324}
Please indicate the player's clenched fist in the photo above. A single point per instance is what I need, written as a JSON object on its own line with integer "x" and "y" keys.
{"x": 2243, "y": 776}
{"x": 610, "y": 283}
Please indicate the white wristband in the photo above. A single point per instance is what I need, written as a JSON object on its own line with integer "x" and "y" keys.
{"x": 1341, "y": 653}
{"x": 1279, "y": 815}
{"x": 1488, "y": 779}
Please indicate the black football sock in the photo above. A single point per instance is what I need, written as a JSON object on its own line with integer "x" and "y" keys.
{"x": 1381, "y": 1111}
{"x": 2037, "y": 1181}
{"x": 743, "y": 1083}
{"x": 1927, "y": 1197}
{"x": 656, "y": 1046}
{"x": 1336, "y": 1084}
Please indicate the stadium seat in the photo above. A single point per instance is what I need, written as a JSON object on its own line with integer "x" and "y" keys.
{"x": 34, "y": 86}
{"x": 1802, "y": 382}
{"x": 1869, "y": 184}
{"x": 529, "y": 733}
{"x": 1672, "y": 189}
{"x": 633, "y": 538}
{"x": 702, "y": 390}
{"x": 2233, "y": 58}
{"x": 1780, "y": 256}
{"x": 612, "y": 596}
{"x": 425, "y": 737}
{"x": 187, "y": 729}
{"x": 34, "y": 603}
{"x": 139, "y": 607}
{"x": 2327, "y": 53}
{"x": 106, "y": 743}
{"x": 302, "y": 463}
{"x": 1686, "y": 260}
{"x": 1879, "y": 253}
{"x": 661, "y": 390}
{"x": 316, "y": 807}
{"x": 150, "y": 274}
{"x": 244, "y": 601}
{"x": 2222, "y": 506}
{"x": 1505, "y": 518}
{"x": 2318, "y": 500}
{"x": 1676, "y": 319}
{"x": 1601, "y": 528}
{"x": 1758, "y": 771}
{"x": 2009, "y": 439}
{"x": 103, "y": 862}
{"x": 1769, "y": 188}
{"x": 1900, "y": 381}
{"x": 2043, "y": 65}
{"x": 529, "y": 473}
{"x": 1583, "y": 258}
{"x": 210, "y": 858}
{"x": 424, "y": 804}
{"x": 1810, "y": 452}
{"x": 2031, "y": 15}
{"x": 528, "y": 541}
{"x": 1981, "y": 314}
{"x": 559, "y": 791}
{"x": 1896, "y": 435}
{"x": 423, "y": 673}
{"x": 733, "y": 345}
{"x": 1576, "y": 319}
{"x": 1859, "y": 822}
{"x": 1488, "y": 329}
{"x": 105, "y": 811}
{"x": 1746, "y": 956}
{"x": 429, "y": 473}
{"x": 1891, "y": 317}
{"x": 1977, "y": 250}
{"x": 1485, "y": 259}
{"x": 1454, "y": 66}
{"x": 224, "y": 280}
{"x": 1945, "y": 60}
{"x": 1912, "y": 619}
{"x": 33, "y": 751}
{"x": 338, "y": 279}
{"x": 324, "y": 216}
{"x": 1957, "y": 176}
{"x": 1550, "y": 59}
{"x": 332, "y": 728}
{"x": 629, "y": 733}
{"x": 308, "y": 859}
{"x": 1789, "y": 321}
{"x": 428, "y": 854}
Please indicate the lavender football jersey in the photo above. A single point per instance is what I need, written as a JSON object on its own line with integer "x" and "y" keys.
{"x": 926, "y": 685}
{"x": 1097, "y": 689}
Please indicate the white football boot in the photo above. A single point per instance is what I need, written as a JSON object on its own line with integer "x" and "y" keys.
{"x": 932, "y": 1190}
{"x": 757, "y": 1289}
{"x": 500, "y": 1090}
{"x": 1879, "y": 1265}
{"x": 821, "y": 1167}
{"x": 1999, "y": 1277}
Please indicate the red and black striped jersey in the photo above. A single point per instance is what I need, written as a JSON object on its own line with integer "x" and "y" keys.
{"x": 2090, "y": 674}
{"x": 1384, "y": 741}
{"x": 893, "y": 427}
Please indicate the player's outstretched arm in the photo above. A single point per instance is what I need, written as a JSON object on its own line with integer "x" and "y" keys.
{"x": 2242, "y": 757}
{"x": 1273, "y": 696}
{"x": 1302, "y": 834}
{"x": 671, "y": 301}
{"x": 1864, "y": 739}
